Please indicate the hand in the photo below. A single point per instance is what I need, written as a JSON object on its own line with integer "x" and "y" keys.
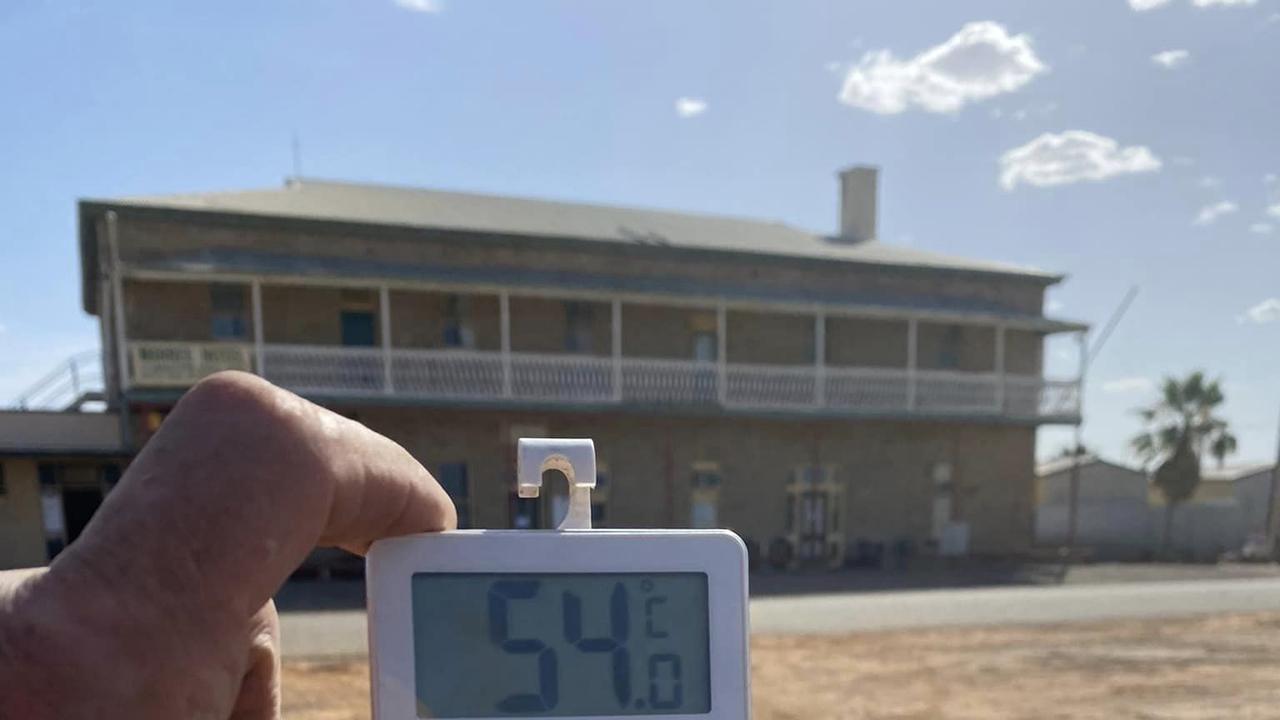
{"x": 162, "y": 608}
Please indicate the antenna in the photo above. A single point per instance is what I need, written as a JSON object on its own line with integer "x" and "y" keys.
{"x": 1087, "y": 355}
{"x": 297, "y": 156}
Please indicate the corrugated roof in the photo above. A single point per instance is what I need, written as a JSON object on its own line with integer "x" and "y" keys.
{"x": 1232, "y": 473}
{"x": 409, "y": 207}
{"x": 234, "y": 262}
{"x": 1062, "y": 464}
{"x": 1059, "y": 464}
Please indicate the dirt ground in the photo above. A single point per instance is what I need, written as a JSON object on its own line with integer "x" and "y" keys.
{"x": 1210, "y": 667}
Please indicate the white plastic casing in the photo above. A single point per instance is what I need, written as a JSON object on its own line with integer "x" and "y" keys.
{"x": 718, "y": 553}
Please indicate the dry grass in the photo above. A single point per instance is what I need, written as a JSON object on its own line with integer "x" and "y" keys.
{"x": 1210, "y": 667}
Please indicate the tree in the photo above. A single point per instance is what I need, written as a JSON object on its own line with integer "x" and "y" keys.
{"x": 1180, "y": 429}
{"x": 1073, "y": 451}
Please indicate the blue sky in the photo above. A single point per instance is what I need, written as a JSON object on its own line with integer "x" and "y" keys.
{"x": 1124, "y": 142}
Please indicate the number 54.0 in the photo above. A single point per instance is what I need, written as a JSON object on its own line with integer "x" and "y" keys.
{"x": 502, "y": 592}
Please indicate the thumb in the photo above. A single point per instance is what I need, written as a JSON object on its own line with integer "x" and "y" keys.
{"x": 259, "y": 697}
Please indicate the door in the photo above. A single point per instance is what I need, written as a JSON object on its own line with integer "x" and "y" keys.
{"x": 78, "y": 507}
{"x": 358, "y": 328}
{"x": 814, "y": 503}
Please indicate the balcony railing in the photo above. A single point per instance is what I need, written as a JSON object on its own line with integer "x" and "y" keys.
{"x": 468, "y": 375}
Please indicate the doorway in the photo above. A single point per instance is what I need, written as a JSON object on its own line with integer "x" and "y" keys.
{"x": 78, "y": 506}
{"x": 811, "y": 541}
{"x": 815, "y": 509}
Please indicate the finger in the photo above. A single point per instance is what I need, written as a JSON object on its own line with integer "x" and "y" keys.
{"x": 12, "y": 582}
{"x": 239, "y": 484}
{"x": 259, "y": 697}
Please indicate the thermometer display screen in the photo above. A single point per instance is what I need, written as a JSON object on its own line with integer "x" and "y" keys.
{"x": 563, "y": 644}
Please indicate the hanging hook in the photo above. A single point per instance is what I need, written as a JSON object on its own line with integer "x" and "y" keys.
{"x": 575, "y": 458}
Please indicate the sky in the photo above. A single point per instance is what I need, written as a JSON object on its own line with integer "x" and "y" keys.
{"x": 1125, "y": 143}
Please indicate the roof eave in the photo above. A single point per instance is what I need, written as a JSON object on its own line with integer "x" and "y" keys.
{"x": 94, "y": 206}
{"x": 87, "y": 212}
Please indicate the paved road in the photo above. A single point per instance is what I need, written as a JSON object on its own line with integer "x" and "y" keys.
{"x": 1008, "y": 606}
{"x": 342, "y": 632}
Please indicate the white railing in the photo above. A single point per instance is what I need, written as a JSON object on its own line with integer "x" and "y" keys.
{"x": 324, "y": 370}
{"x": 940, "y": 391}
{"x": 1034, "y": 397}
{"x": 594, "y": 380}
{"x": 650, "y": 381}
{"x": 872, "y": 390}
{"x": 459, "y": 374}
{"x": 778, "y": 387}
{"x": 562, "y": 378}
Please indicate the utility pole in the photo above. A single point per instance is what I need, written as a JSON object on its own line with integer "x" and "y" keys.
{"x": 296, "y": 146}
{"x": 1271, "y": 502}
{"x": 1087, "y": 356}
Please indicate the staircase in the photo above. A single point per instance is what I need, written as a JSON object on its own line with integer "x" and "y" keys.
{"x": 68, "y": 387}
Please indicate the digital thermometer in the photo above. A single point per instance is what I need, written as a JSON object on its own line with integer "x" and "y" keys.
{"x": 572, "y": 622}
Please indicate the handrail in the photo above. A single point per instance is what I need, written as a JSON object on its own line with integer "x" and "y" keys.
{"x": 64, "y": 386}
{"x": 572, "y": 378}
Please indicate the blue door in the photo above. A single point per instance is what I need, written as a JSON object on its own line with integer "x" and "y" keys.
{"x": 357, "y": 328}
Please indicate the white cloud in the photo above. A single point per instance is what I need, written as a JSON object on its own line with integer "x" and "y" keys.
{"x": 1170, "y": 59}
{"x": 980, "y": 61}
{"x": 687, "y": 107}
{"x": 1260, "y": 228}
{"x": 1269, "y": 178}
{"x": 1224, "y": 3}
{"x": 1070, "y": 157}
{"x": 1267, "y": 311}
{"x": 1145, "y": 5}
{"x": 422, "y": 6}
{"x": 1210, "y": 213}
{"x": 1128, "y": 385}
{"x": 834, "y": 66}
{"x": 1209, "y": 181}
{"x": 1274, "y": 210}
{"x": 1053, "y": 306}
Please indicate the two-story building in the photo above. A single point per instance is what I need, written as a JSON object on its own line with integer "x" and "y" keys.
{"x": 807, "y": 390}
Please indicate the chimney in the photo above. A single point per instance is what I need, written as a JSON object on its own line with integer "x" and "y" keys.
{"x": 858, "y": 203}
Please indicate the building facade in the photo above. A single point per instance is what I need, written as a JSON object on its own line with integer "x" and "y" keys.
{"x": 814, "y": 393}
{"x": 1112, "y": 516}
{"x": 55, "y": 470}
{"x": 1121, "y": 514}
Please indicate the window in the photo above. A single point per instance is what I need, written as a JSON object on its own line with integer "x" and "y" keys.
{"x": 578, "y": 316}
{"x": 357, "y": 318}
{"x": 357, "y": 328}
{"x": 949, "y": 351}
{"x": 227, "y": 316}
{"x": 453, "y": 478}
{"x": 704, "y": 506}
{"x": 110, "y": 477}
{"x": 457, "y": 322}
{"x": 705, "y": 346}
{"x": 55, "y": 537}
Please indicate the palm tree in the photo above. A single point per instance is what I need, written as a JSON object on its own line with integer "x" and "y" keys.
{"x": 1067, "y": 451}
{"x": 1181, "y": 428}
